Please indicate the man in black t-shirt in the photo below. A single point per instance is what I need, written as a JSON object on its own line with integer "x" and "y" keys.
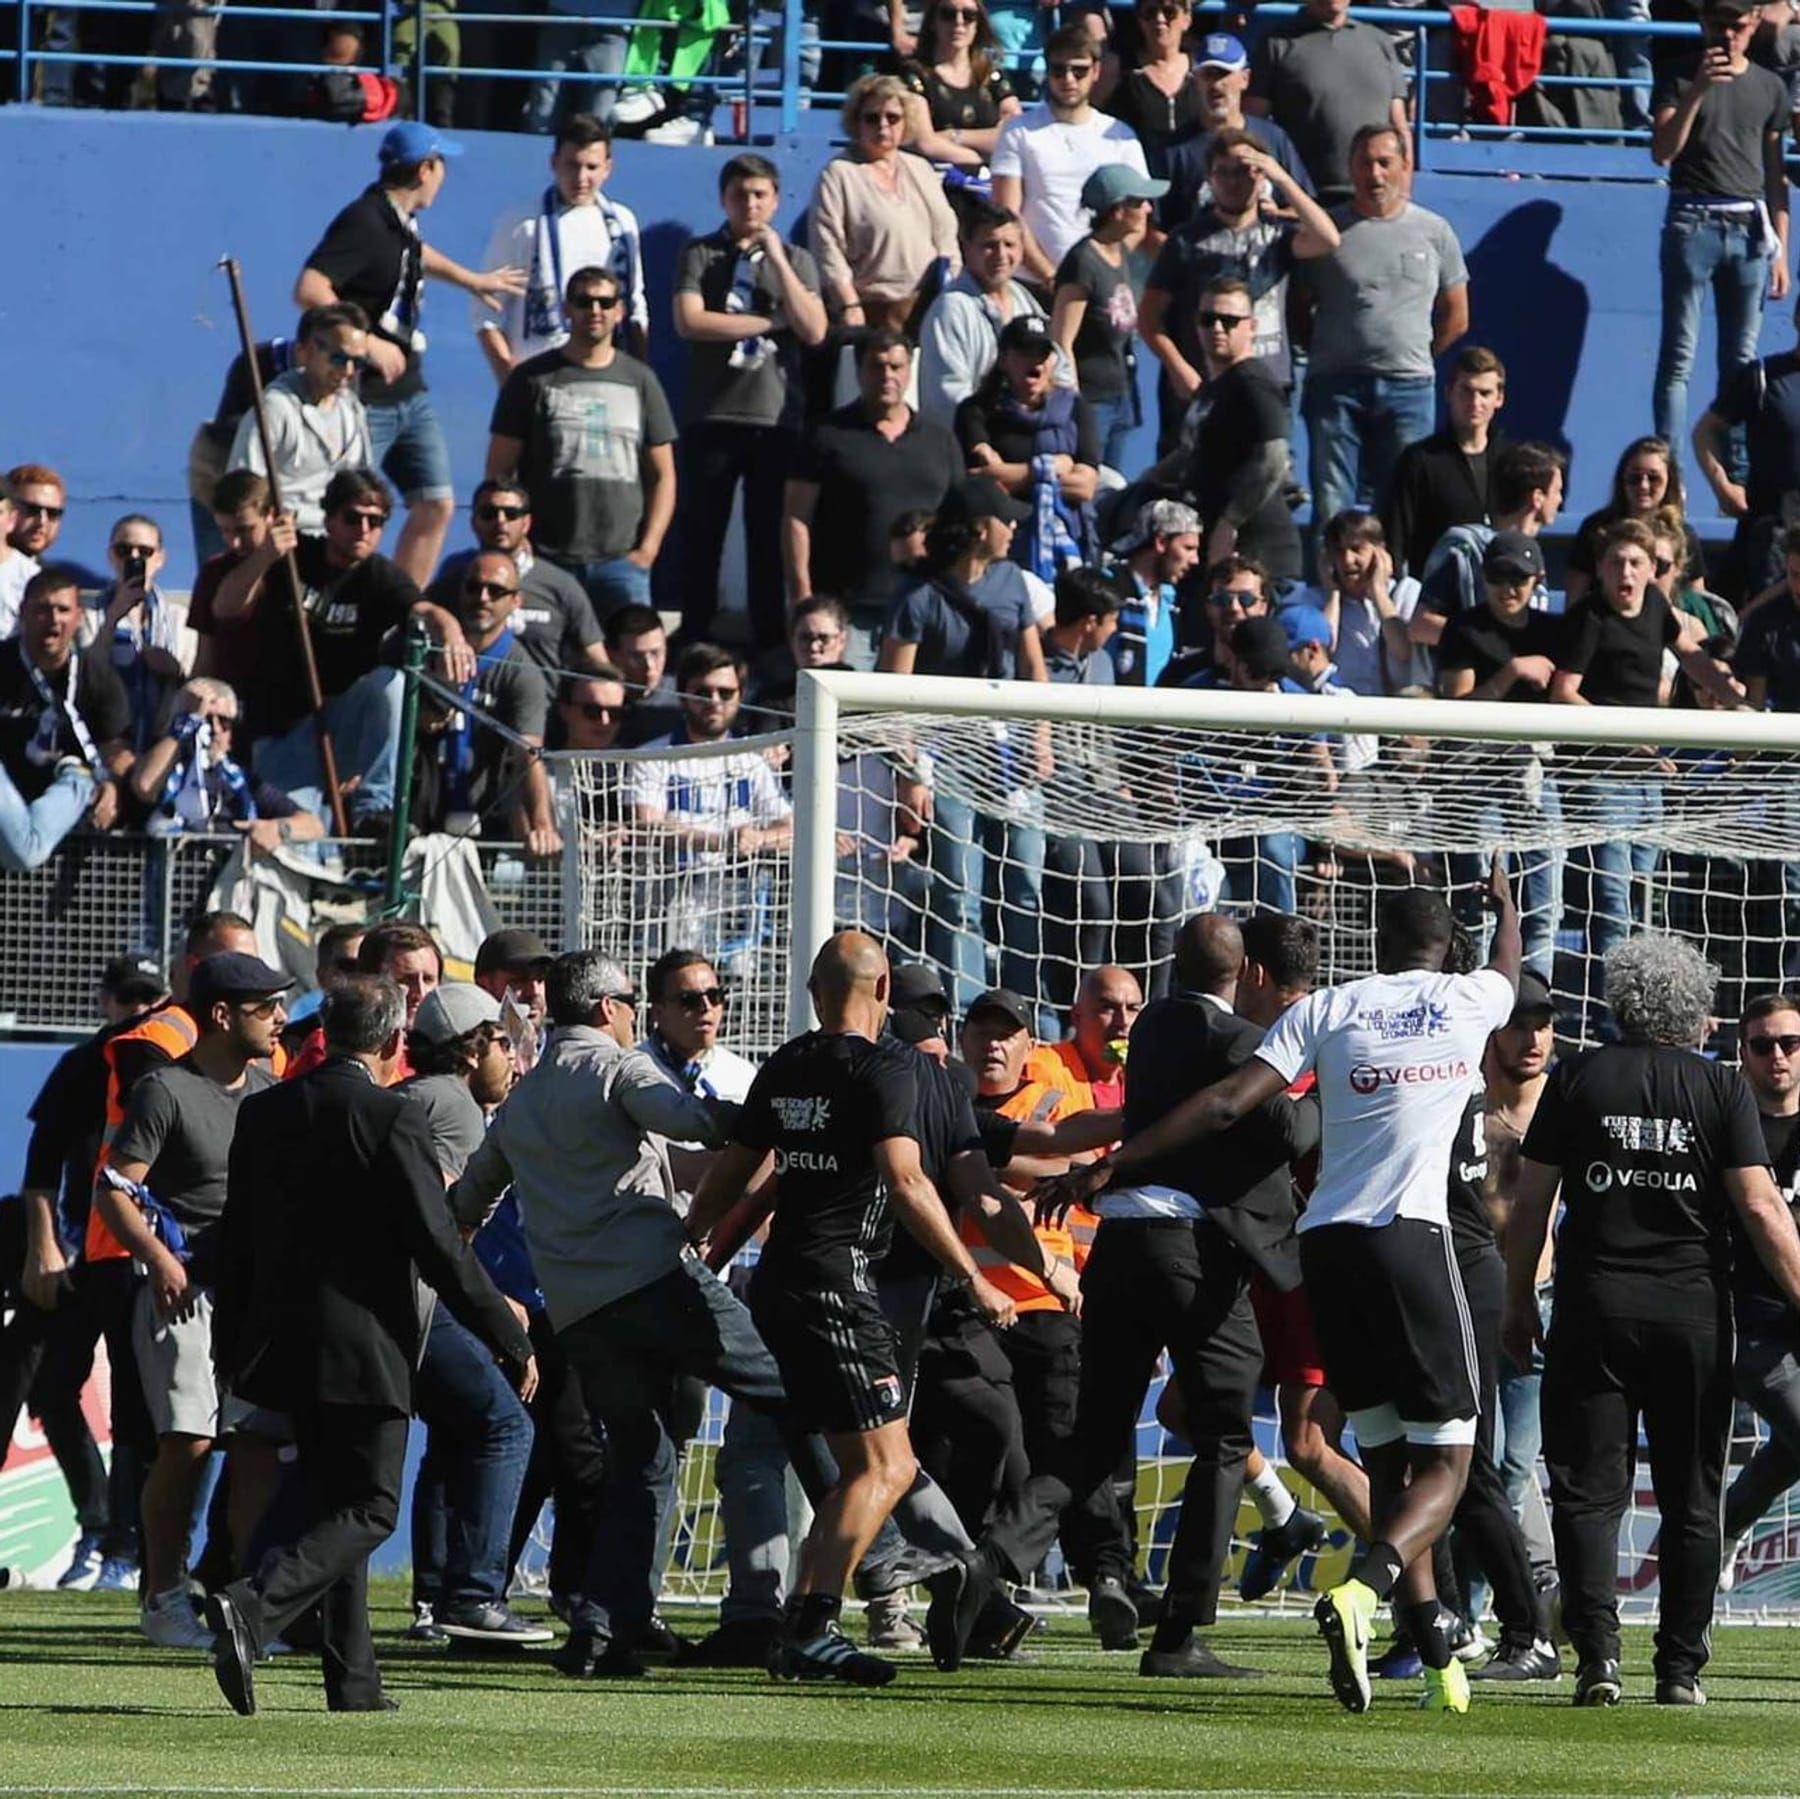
{"x": 64, "y": 718}
{"x": 1767, "y": 658}
{"x": 837, "y": 1110}
{"x": 352, "y": 598}
{"x": 1718, "y": 130}
{"x": 1767, "y": 1369}
{"x": 372, "y": 254}
{"x": 1654, "y": 1148}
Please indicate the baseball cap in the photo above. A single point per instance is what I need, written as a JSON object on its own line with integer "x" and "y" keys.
{"x": 1304, "y": 625}
{"x": 133, "y": 978}
{"x": 452, "y": 1009}
{"x": 1030, "y": 333}
{"x": 413, "y": 141}
{"x": 981, "y": 496}
{"x": 233, "y": 975}
{"x": 1116, "y": 181}
{"x": 1261, "y": 645}
{"x": 1513, "y": 553}
{"x": 1534, "y": 995}
{"x": 1006, "y": 1002}
{"x": 918, "y": 1006}
{"x": 1161, "y": 518}
{"x": 511, "y": 948}
{"x": 1727, "y": 9}
{"x": 1222, "y": 51}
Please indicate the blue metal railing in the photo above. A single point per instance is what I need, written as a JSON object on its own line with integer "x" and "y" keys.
{"x": 757, "y": 62}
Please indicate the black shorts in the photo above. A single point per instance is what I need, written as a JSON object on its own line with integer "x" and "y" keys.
{"x": 837, "y": 1356}
{"x": 1392, "y": 1322}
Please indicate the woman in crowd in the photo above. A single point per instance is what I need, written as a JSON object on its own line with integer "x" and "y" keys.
{"x": 1717, "y": 618}
{"x": 1155, "y": 95}
{"x": 879, "y": 219}
{"x": 960, "y": 96}
{"x": 1647, "y": 478}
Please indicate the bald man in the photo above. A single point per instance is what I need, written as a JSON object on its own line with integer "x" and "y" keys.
{"x": 1107, "y": 1004}
{"x": 1170, "y": 1269}
{"x": 838, "y": 1108}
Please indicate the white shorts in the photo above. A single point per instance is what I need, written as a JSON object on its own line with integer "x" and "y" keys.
{"x": 176, "y": 1366}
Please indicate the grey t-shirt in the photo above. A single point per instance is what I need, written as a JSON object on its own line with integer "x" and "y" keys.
{"x": 1377, "y": 290}
{"x": 180, "y": 1124}
{"x": 555, "y": 622}
{"x": 1723, "y": 157}
{"x": 457, "y": 1125}
{"x": 1323, "y": 86}
{"x": 584, "y": 432}
{"x": 756, "y": 380}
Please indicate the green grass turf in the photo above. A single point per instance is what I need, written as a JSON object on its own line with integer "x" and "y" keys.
{"x": 87, "y": 1707}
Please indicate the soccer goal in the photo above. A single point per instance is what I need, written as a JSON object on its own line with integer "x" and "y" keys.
{"x": 1017, "y": 833}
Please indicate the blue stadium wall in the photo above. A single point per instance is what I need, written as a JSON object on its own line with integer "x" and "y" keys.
{"x": 116, "y": 327}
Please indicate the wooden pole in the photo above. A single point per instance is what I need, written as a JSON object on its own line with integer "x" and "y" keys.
{"x": 334, "y": 796}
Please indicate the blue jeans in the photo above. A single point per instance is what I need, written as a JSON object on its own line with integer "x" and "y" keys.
{"x": 1623, "y": 807}
{"x": 1114, "y": 422}
{"x": 1537, "y": 876}
{"x": 960, "y": 845}
{"x": 29, "y": 834}
{"x": 1631, "y": 58}
{"x": 407, "y": 444}
{"x": 612, "y": 582}
{"x": 477, "y": 1444}
{"x": 1357, "y": 425}
{"x": 364, "y": 722}
{"x": 586, "y": 50}
{"x": 751, "y": 1475}
{"x": 628, "y": 1356}
{"x": 1260, "y": 871}
{"x": 1702, "y": 249}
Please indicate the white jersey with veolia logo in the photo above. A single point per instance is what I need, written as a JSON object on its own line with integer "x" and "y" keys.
{"x": 1396, "y": 1056}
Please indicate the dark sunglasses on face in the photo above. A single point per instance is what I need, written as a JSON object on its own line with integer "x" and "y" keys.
{"x": 959, "y": 15}
{"x": 1665, "y": 564}
{"x": 488, "y": 514}
{"x": 1766, "y": 1045}
{"x": 594, "y": 302}
{"x": 32, "y": 509}
{"x": 133, "y": 552}
{"x": 598, "y": 714}
{"x": 1229, "y": 596}
{"x": 1230, "y": 320}
{"x": 699, "y": 999}
{"x": 719, "y": 695}
{"x": 622, "y": 999}
{"x": 1071, "y": 71}
{"x": 342, "y": 359}
{"x": 492, "y": 589}
{"x": 363, "y": 521}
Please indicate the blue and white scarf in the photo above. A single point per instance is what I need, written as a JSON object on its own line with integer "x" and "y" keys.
{"x": 545, "y": 315}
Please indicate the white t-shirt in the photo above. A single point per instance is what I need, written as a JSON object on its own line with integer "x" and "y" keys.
{"x": 716, "y": 792}
{"x": 1053, "y": 160}
{"x": 1397, "y": 1056}
{"x": 15, "y": 572}
{"x": 600, "y": 236}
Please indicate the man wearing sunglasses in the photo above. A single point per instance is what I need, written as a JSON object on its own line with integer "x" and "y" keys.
{"x": 16, "y": 568}
{"x": 315, "y": 416}
{"x": 39, "y": 501}
{"x": 555, "y": 622}
{"x": 589, "y": 430}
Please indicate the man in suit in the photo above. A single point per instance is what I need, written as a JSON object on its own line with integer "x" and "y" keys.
{"x": 335, "y": 1213}
{"x": 1170, "y": 1269}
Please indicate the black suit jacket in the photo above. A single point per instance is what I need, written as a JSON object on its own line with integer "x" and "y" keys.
{"x": 335, "y": 1205}
{"x": 1241, "y": 1176}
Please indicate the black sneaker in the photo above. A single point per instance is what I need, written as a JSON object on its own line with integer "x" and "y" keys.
{"x": 1680, "y": 1692}
{"x": 1146, "y": 1599}
{"x": 958, "y": 1596}
{"x": 658, "y": 1643}
{"x": 829, "y": 1656}
{"x": 1598, "y": 1683}
{"x": 743, "y": 1643}
{"x": 1192, "y": 1661}
{"x": 1111, "y": 1615}
{"x": 1521, "y": 1658}
{"x": 1272, "y": 1550}
{"x": 586, "y": 1657}
{"x": 496, "y": 1624}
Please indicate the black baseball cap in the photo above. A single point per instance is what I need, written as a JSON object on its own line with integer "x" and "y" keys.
{"x": 918, "y": 1006}
{"x": 978, "y": 497}
{"x": 1534, "y": 996}
{"x": 1513, "y": 553}
{"x": 512, "y": 948}
{"x": 1005, "y": 1001}
{"x": 1028, "y": 333}
{"x": 233, "y": 975}
{"x": 134, "y": 978}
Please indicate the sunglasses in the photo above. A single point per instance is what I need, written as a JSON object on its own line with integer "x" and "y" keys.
{"x": 716, "y": 694}
{"x": 493, "y": 589}
{"x": 1230, "y": 320}
{"x": 261, "y": 1008}
{"x": 31, "y": 509}
{"x": 622, "y": 999}
{"x": 1665, "y": 565}
{"x": 700, "y": 999}
{"x": 363, "y": 521}
{"x": 1071, "y": 71}
{"x": 133, "y": 552}
{"x": 488, "y": 514}
{"x": 598, "y": 714}
{"x": 817, "y": 640}
{"x": 884, "y": 118}
{"x": 959, "y": 15}
{"x": 1766, "y": 1046}
{"x": 342, "y": 359}
{"x": 1230, "y": 596}
{"x": 595, "y": 302}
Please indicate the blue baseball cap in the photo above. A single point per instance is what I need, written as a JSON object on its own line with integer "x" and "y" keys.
{"x": 1304, "y": 625}
{"x": 411, "y": 142}
{"x": 1222, "y": 51}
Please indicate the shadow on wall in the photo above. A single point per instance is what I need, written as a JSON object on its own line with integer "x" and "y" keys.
{"x": 1533, "y": 315}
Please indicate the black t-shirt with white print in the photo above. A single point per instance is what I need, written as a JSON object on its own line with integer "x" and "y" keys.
{"x": 947, "y": 1128}
{"x": 1471, "y": 1230}
{"x": 1643, "y": 1135}
{"x": 821, "y": 1103}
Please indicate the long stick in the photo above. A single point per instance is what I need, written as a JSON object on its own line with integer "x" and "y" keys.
{"x": 334, "y": 796}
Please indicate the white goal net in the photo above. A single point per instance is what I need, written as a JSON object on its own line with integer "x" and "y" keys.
{"x": 1018, "y": 835}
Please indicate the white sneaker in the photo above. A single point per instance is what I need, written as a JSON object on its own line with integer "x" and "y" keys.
{"x": 680, "y": 131}
{"x": 1728, "y": 1567}
{"x": 170, "y": 1622}
{"x": 638, "y": 105}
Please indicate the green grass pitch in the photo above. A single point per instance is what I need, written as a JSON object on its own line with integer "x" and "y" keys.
{"x": 87, "y": 1707}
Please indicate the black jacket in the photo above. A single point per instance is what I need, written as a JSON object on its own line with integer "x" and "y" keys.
{"x": 1241, "y": 1177}
{"x": 334, "y": 1212}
